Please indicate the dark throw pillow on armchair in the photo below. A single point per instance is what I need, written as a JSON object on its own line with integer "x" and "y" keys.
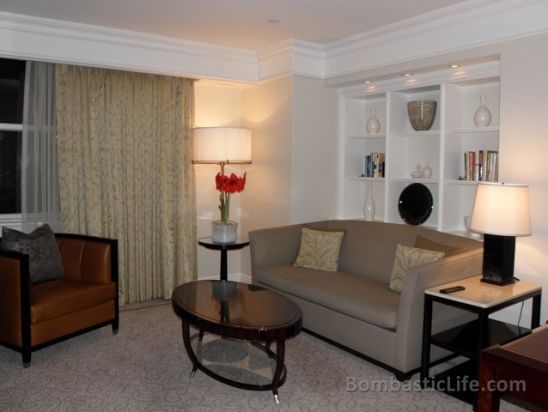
{"x": 44, "y": 257}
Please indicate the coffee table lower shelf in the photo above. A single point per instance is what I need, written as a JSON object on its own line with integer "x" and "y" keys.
{"x": 240, "y": 363}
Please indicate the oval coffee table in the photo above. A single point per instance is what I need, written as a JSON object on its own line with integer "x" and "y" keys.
{"x": 242, "y": 321}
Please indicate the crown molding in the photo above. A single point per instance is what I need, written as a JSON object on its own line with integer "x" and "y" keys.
{"x": 292, "y": 56}
{"x": 467, "y": 25}
{"x": 37, "y": 38}
{"x": 470, "y": 24}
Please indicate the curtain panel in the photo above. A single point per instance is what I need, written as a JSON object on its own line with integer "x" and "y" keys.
{"x": 125, "y": 172}
{"x": 39, "y": 181}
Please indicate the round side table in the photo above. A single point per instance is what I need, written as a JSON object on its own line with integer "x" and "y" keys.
{"x": 208, "y": 243}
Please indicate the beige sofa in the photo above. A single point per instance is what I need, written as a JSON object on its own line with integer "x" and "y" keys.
{"x": 354, "y": 307}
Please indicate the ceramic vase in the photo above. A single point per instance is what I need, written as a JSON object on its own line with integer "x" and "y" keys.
{"x": 224, "y": 232}
{"x": 373, "y": 125}
{"x": 369, "y": 205}
{"x": 482, "y": 117}
{"x": 427, "y": 172}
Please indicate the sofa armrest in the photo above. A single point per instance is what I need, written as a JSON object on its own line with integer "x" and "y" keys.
{"x": 89, "y": 258}
{"x": 410, "y": 311}
{"x": 274, "y": 247}
{"x": 14, "y": 298}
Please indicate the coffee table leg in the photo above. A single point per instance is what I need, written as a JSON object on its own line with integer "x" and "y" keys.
{"x": 188, "y": 347}
{"x": 280, "y": 354}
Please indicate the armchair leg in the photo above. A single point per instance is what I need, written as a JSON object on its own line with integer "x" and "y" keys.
{"x": 115, "y": 326}
{"x": 26, "y": 355}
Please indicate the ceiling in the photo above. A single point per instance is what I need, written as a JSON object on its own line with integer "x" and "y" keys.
{"x": 250, "y": 24}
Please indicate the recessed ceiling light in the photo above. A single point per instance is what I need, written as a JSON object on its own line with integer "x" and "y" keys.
{"x": 273, "y": 21}
{"x": 406, "y": 75}
{"x": 454, "y": 66}
{"x": 367, "y": 82}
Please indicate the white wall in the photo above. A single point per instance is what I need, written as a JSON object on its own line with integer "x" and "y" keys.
{"x": 314, "y": 168}
{"x": 524, "y": 147}
{"x": 216, "y": 104}
{"x": 267, "y": 197}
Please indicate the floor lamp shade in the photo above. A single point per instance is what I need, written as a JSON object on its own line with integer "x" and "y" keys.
{"x": 500, "y": 212}
{"x": 222, "y": 145}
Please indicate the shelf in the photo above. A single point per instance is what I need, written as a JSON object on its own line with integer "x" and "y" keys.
{"x": 461, "y": 182}
{"x": 459, "y": 339}
{"x": 413, "y": 133}
{"x": 368, "y": 179}
{"x": 453, "y": 381}
{"x": 411, "y": 180}
{"x": 367, "y": 136}
{"x": 466, "y": 182}
{"x": 473, "y": 130}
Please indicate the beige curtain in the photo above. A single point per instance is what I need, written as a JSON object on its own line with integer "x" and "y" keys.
{"x": 124, "y": 149}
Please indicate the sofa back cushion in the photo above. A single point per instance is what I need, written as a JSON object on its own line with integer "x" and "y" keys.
{"x": 369, "y": 248}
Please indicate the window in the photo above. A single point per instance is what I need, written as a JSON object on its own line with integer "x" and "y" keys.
{"x": 12, "y": 83}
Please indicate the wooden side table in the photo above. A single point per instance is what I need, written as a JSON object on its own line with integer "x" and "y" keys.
{"x": 469, "y": 339}
{"x": 208, "y": 243}
{"x": 519, "y": 368}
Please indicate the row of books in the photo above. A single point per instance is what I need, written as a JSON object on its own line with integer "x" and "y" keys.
{"x": 374, "y": 165}
{"x": 482, "y": 165}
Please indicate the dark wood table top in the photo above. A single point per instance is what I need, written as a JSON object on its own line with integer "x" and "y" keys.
{"x": 237, "y": 310}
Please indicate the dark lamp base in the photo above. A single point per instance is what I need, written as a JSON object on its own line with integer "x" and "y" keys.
{"x": 502, "y": 282}
{"x": 498, "y": 259}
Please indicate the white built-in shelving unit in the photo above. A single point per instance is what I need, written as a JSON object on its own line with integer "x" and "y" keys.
{"x": 457, "y": 93}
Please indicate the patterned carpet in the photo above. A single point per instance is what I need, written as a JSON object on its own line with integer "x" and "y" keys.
{"x": 145, "y": 368}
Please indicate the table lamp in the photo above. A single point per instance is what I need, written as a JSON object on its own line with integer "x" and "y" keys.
{"x": 222, "y": 146}
{"x": 500, "y": 212}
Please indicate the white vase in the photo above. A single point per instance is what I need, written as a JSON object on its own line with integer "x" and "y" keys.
{"x": 482, "y": 117}
{"x": 373, "y": 125}
{"x": 369, "y": 205}
{"x": 427, "y": 172}
{"x": 224, "y": 232}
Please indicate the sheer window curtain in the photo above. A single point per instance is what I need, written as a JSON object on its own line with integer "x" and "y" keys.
{"x": 39, "y": 178}
{"x": 125, "y": 171}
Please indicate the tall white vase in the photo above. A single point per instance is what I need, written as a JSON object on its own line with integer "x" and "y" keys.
{"x": 369, "y": 205}
{"x": 482, "y": 117}
{"x": 373, "y": 125}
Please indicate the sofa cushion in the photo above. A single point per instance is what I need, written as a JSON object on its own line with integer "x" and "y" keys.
{"x": 59, "y": 297}
{"x": 424, "y": 243}
{"x": 319, "y": 249}
{"x": 358, "y": 296}
{"x": 44, "y": 258}
{"x": 408, "y": 257}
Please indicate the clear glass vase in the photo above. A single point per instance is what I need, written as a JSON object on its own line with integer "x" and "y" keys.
{"x": 224, "y": 232}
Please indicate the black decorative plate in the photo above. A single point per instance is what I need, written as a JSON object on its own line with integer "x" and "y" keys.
{"x": 415, "y": 204}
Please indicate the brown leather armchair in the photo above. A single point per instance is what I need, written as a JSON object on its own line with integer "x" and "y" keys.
{"x": 33, "y": 316}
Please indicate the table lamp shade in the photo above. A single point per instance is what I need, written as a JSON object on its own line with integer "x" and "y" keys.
{"x": 222, "y": 145}
{"x": 501, "y": 209}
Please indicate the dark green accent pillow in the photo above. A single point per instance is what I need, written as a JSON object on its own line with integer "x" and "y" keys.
{"x": 44, "y": 257}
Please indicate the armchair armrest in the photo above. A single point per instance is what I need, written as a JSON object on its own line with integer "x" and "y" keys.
{"x": 410, "y": 311}
{"x": 274, "y": 247}
{"x": 89, "y": 258}
{"x": 14, "y": 298}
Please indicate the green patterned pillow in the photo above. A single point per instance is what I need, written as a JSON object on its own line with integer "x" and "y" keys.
{"x": 408, "y": 257}
{"x": 319, "y": 249}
